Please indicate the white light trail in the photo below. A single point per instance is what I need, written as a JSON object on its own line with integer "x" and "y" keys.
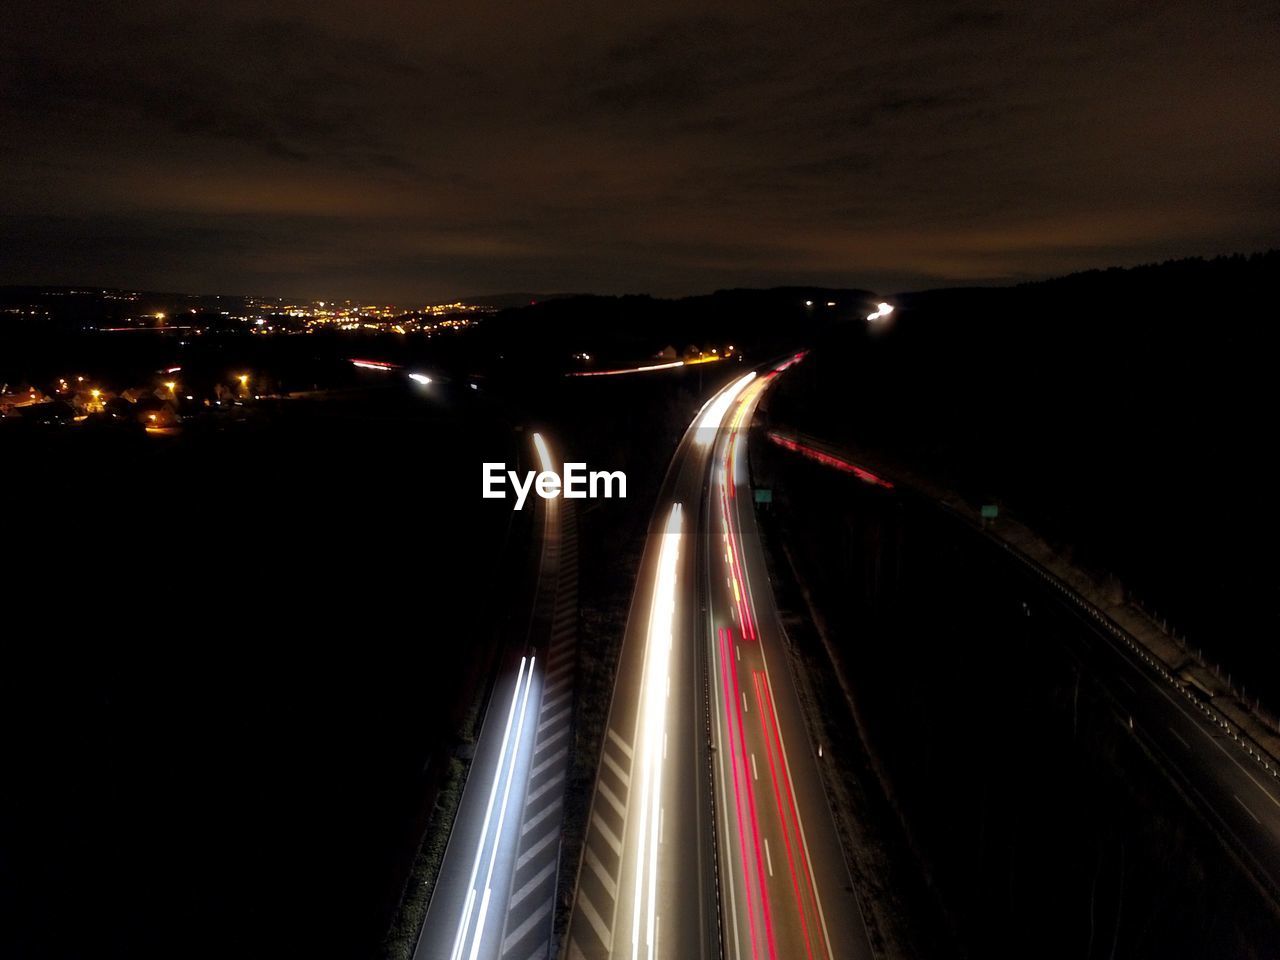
{"x": 544, "y": 454}
{"x": 653, "y": 719}
{"x": 502, "y": 815}
{"x": 421, "y": 378}
{"x": 613, "y": 373}
{"x": 464, "y": 925}
{"x": 882, "y": 310}
{"x": 713, "y": 416}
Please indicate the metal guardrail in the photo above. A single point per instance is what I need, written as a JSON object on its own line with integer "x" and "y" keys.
{"x": 1247, "y": 744}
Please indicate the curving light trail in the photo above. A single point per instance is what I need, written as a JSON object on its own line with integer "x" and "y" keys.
{"x": 775, "y": 813}
{"x": 655, "y": 685}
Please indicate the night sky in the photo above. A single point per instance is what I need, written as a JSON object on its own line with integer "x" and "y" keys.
{"x": 421, "y": 151}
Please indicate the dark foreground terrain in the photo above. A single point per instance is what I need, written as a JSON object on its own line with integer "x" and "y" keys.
{"x": 234, "y": 662}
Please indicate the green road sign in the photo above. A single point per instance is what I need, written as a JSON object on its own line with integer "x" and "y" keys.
{"x": 764, "y": 495}
{"x": 990, "y": 511}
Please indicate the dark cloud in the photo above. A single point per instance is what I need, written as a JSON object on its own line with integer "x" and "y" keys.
{"x": 387, "y": 149}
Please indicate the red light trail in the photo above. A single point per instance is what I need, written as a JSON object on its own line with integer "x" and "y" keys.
{"x": 830, "y": 460}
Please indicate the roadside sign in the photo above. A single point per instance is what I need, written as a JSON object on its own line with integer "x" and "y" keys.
{"x": 990, "y": 511}
{"x": 764, "y": 495}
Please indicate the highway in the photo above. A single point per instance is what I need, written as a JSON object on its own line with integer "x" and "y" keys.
{"x": 1225, "y": 778}
{"x": 709, "y": 833}
{"x": 1231, "y": 789}
{"x": 787, "y": 885}
{"x": 494, "y": 894}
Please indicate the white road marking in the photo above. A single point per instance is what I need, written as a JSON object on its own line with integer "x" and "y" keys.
{"x": 601, "y": 873}
{"x": 618, "y": 772}
{"x": 767, "y": 857}
{"x": 622, "y": 744}
{"x": 609, "y": 836}
{"x": 1212, "y": 739}
{"x": 1247, "y": 810}
{"x": 530, "y": 922}
{"x": 604, "y": 791}
{"x": 549, "y": 809}
{"x": 593, "y": 917}
{"x": 527, "y": 889}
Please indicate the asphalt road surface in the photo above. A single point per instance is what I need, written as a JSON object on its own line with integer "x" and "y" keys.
{"x": 1239, "y": 798}
{"x": 709, "y": 828}
{"x": 787, "y": 889}
{"x": 494, "y": 895}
